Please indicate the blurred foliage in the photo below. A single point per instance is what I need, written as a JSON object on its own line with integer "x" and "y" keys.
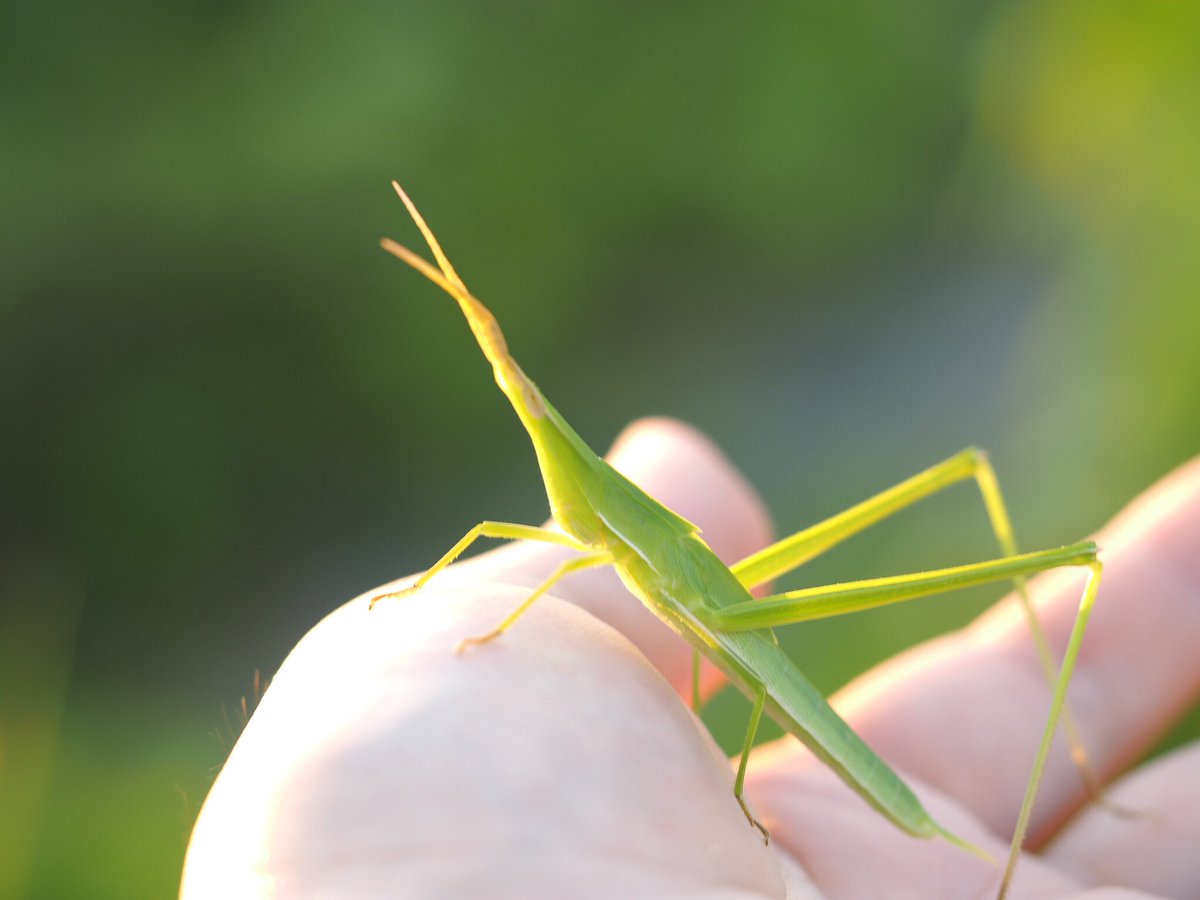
{"x": 846, "y": 240}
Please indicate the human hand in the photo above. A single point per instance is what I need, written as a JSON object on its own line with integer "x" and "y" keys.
{"x": 558, "y": 761}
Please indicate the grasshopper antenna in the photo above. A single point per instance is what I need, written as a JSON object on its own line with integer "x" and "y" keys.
{"x": 522, "y": 392}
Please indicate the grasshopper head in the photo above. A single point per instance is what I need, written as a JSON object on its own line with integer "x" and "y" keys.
{"x": 565, "y": 460}
{"x": 520, "y": 390}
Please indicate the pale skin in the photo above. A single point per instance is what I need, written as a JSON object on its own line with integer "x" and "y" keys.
{"x": 561, "y": 760}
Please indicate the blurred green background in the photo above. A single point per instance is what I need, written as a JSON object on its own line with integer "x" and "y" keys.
{"x": 845, "y": 240}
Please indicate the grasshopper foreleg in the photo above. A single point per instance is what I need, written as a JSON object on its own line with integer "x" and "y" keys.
{"x": 572, "y": 565}
{"x": 503, "y": 530}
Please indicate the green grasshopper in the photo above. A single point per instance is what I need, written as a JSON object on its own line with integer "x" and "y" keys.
{"x": 661, "y": 559}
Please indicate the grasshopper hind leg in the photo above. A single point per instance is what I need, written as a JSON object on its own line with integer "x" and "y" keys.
{"x": 969, "y": 464}
{"x": 507, "y": 531}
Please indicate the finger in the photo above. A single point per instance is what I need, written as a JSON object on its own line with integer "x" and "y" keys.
{"x": 553, "y": 762}
{"x": 975, "y": 702}
{"x": 685, "y": 471}
{"x": 1152, "y": 850}
{"x": 849, "y": 850}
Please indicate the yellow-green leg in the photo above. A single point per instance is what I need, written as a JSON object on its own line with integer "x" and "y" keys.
{"x": 972, "y": 463}
{"x": 1057, "y": 707}
{"x": 503, "y": 530}
{"x": 793, "y": 551}
{"x": 571, "y": 565}
{"x": 807, "y": 604}
{"x": 760, "y": 698}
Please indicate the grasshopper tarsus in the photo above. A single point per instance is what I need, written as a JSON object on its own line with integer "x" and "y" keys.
{"x": 762, "y": 829}
{"x": 392, "y": 595}
{"x": 461, "y": 647}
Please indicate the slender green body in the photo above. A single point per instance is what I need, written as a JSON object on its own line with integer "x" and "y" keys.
{"x": 683, "y": 582}
{"x": 662, "y": 559}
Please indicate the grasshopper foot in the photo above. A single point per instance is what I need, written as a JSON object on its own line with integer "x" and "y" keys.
{"x": 392, "y": 595}
{"x": 461, "y": 647}
{"x": 762, "y": 829}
